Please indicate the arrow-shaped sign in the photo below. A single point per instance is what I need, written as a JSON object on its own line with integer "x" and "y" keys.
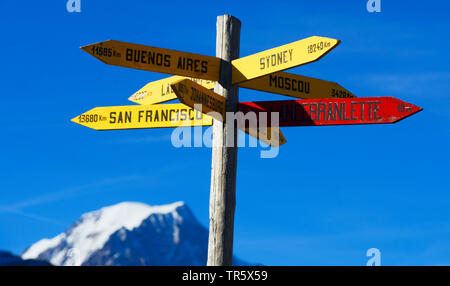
{"x": 339, "y": 111}
{"x": 297, "y": 86}
{"x": 161, "y": 91}
{"x": 281, "y": 58}
{"x": 155, "y": 59}
{"x": 142, "y": 116}
{"x": 191, "y": 94}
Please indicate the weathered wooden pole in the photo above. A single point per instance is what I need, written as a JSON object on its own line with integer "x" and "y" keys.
{"x": 224, "y": 152}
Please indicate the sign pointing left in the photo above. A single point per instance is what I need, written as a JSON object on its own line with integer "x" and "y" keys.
{"x": 161, "y": 91}
{"x": 142, "y": 116}
{"x": 155, "y": 59}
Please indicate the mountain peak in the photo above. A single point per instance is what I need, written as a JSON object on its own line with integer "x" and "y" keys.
{"x": 129, "y": 234}
{"x": 93, "y": 230}
{"x": 126, "y": 214}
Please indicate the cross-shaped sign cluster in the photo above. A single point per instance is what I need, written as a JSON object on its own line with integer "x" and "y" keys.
{"x": 322, "y": 102}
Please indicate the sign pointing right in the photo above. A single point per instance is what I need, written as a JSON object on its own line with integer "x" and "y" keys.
{"x": 281, "y": 58}
{"x": 334, "y": 111}
{"x": 297, "y": 86}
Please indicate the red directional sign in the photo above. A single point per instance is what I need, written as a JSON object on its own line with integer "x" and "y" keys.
{"x": 334, "y": 111}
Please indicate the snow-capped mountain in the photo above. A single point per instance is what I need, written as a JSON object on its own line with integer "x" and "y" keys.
{"x": 129, "y": 233}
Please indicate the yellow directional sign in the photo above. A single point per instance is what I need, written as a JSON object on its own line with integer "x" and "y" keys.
{"x": 142, "y": 116}
{"x": 160, "y": 90}
{"x": 297, "y": 86}
{"x": 191, "y": 93}
{"x": 281, "y": 58}
{"x": 155, "y": 59}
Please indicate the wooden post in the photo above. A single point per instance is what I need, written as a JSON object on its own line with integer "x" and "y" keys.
{"x": 224, "y": 157}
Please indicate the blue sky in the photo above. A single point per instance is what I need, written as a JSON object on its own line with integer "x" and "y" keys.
{"x": 332, "y": 192}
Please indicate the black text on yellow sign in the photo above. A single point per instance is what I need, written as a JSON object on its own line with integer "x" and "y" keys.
{"x": 297, "y": 86}
{"x": 161, "y": 91}
{"x": 192, "y": 94}
{"x": 142, "y": 116}
{"x": 281, "y": 58}
{"x": 155, "y": 59}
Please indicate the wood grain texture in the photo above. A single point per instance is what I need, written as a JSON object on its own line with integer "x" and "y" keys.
{"x": 224, "y": 159}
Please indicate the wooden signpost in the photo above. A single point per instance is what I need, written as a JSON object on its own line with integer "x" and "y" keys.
{"x": 323, "y": 103}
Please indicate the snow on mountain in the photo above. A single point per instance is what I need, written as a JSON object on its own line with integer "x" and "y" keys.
{"x": 128, "y": 233}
